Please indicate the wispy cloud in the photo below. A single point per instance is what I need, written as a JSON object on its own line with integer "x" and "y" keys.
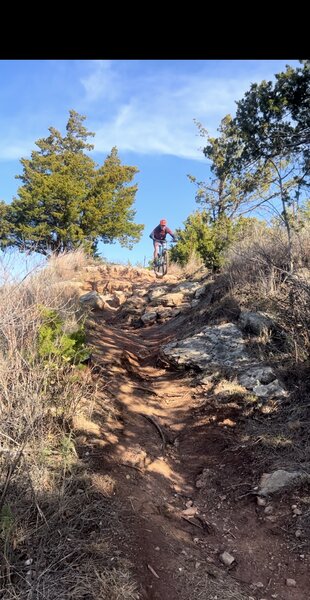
{"x": 159, "y": 116}
{"x": 146, "y": 107}
{"x": 14, "y": 150}
{"x": 102, "y": 82}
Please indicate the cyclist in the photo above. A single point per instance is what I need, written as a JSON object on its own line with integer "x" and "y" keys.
{"x": 158, "y": 235}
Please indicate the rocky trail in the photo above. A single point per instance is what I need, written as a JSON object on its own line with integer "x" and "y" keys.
{"x": 184, "y": 452}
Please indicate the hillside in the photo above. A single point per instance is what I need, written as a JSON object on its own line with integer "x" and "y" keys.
{"x": 192, "y": 465}
{"x": 192, "y": 443}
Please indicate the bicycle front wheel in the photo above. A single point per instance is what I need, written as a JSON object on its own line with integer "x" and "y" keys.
{"x": 157, "y": 266}
{"x": 159, "y": 269}
{"x": 165, "y": 262}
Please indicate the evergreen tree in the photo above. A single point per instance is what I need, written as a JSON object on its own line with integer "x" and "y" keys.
{"x": 274, "y": 118}
{"x": 4, "y": 224}
{"x": 274, "y": 127}
{"x": 66, "y": 201}
{"x": 227, "y": 193}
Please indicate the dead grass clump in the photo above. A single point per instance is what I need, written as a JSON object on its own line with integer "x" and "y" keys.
{"x": 209, "y": 582}
{"x": 258, "y": 260}
{"x": 115, "y": 584}
{"x": 263, "y": 258}
{"x": 301, "y": 248}
{"x": 260, "y": 280}
{"x": 175, "y": 269}
{"x": 194, "y": 265}
{"x": 68, "y": 265}
{"x": 225, "y": 310}
{"x": 60, "y": 546}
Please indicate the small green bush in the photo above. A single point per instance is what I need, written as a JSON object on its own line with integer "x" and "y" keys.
{"x": 53, "y": 342}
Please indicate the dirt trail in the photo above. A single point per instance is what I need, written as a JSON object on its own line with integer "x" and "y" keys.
{"x": 185, "y": 481}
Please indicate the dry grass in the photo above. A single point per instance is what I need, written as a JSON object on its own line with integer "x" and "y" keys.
{"x": 258, "y": 270}
{"x": 208, "y": 583}
{"x": 194, "y": 265}
{"x": 61, "y": 546}
{"x": 262, "y": 259}
{"x": 55, "y": 527}
{"x": 69, "y": 264}
{"x": 175, "y": 269}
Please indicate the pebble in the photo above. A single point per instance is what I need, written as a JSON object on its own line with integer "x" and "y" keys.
{"x": 227, "y": 559}
{"x": 28, "y": 562}
{"x": 261, "y": 501}
{"x": 268, "y": 510}
{"x": 297, "y": 512}
{"x": 298, "y": 533}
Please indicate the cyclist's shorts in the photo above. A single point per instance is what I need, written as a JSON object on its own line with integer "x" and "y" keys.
{"x": 156, "y": 243}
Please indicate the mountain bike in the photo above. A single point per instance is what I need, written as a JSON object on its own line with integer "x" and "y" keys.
{"x": 160, "y": 265}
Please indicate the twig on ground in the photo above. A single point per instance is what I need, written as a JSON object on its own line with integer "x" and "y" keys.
{"x": 130, "y": 466}
{"x": 159, "y": 429}
{"x": 251, "y": 493}
{"x": 144, "y": 389}
{"x": 152, "y": 571}
{"x": 192, "y": 522}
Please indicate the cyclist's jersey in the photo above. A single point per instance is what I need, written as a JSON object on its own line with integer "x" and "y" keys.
{"x": 160, "y": 234}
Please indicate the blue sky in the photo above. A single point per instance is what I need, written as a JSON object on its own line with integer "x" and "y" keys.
{"x": 144, "y": 107}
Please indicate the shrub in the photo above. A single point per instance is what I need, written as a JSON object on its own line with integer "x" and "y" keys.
{"x": 54, "y": 342}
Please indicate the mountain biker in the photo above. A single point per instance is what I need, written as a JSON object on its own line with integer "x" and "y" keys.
{"x": 158, "y": 235}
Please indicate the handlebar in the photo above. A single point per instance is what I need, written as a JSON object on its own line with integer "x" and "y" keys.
{"x": 165, "y": 241}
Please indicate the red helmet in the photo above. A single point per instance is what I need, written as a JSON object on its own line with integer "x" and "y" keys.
{"x": 163, "y": 222}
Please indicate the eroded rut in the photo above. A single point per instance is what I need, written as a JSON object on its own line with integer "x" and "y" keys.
{"x": 184, "y": 481}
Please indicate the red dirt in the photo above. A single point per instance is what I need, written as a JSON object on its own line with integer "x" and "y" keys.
{"x": 174, "y": 555}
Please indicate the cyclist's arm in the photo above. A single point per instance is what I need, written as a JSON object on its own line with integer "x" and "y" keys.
{"x": 170, "y": 233}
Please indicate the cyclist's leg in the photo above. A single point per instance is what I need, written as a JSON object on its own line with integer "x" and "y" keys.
{"x": 156, "y": 246}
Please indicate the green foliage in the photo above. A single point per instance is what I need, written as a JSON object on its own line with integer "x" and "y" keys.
{"x": 274, "y": 118}
{"x": 273, "y": 121}
{"x": 209, "y": 239}
{"x": 4, "y": 224}
{"x": 65, "y": 201}
{"x": 228, "y": 193}
{"x": 111, "y": 210}
{"x": 53, "y": 342}
{"x": 261, "y": 158}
